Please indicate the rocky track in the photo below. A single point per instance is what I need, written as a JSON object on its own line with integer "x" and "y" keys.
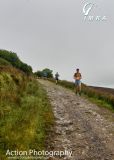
{"x": 81, "y": 127}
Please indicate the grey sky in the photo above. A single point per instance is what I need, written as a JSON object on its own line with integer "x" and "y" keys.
{"x": 53, "y": 34}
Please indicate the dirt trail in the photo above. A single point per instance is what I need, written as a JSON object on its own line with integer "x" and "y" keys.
{"x": 81, "y": 127}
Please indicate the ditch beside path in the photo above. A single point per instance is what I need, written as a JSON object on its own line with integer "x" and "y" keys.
{"x": 81, "y": 127}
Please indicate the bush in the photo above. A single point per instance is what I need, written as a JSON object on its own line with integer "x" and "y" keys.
{"x": 47, "y": 73}
{"x": 13, "y": 59}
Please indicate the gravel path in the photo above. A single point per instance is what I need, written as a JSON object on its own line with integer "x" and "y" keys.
{"x": 81, "y": 127}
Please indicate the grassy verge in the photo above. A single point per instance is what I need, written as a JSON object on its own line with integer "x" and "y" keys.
{"x": 102, "y": 99}
{"x": 97, "y": 97}
{"x": 100, "y": 103}
{"x": 25, "y": 113}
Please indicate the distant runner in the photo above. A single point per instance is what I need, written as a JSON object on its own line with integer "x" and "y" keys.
{"x": 45, "y": 75}
{"x": 56, "y": 77}
{"x": 78, "y": 77}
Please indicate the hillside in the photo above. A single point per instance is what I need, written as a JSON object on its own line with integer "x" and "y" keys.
{"x": 37, "y": 114}
{"x": 8, "y": 57}
{"x": 25, "y": 111}
{"x": 104, "y": 90}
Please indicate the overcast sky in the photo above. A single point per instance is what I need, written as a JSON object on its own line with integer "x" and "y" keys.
{"x": 53, "y": 34}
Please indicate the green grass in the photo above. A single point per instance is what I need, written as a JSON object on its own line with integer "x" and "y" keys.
{"x": 100, "y": 103}
{"x": 95, "y": 96}
{"x": 4, "y": 62}
{"x": 103, "y": 99}
{"x": 25, "y": 113}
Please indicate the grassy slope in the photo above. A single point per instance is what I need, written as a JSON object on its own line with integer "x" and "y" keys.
{"x": 25, "y": 112}
{"x": 4, "y": 62}
{"x": 100, "y": 98}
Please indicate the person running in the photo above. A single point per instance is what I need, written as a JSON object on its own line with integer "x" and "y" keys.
{"x": 78, "y": 77}
{"x": 56, "y": 77}
{"x": 45, "y": 75}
